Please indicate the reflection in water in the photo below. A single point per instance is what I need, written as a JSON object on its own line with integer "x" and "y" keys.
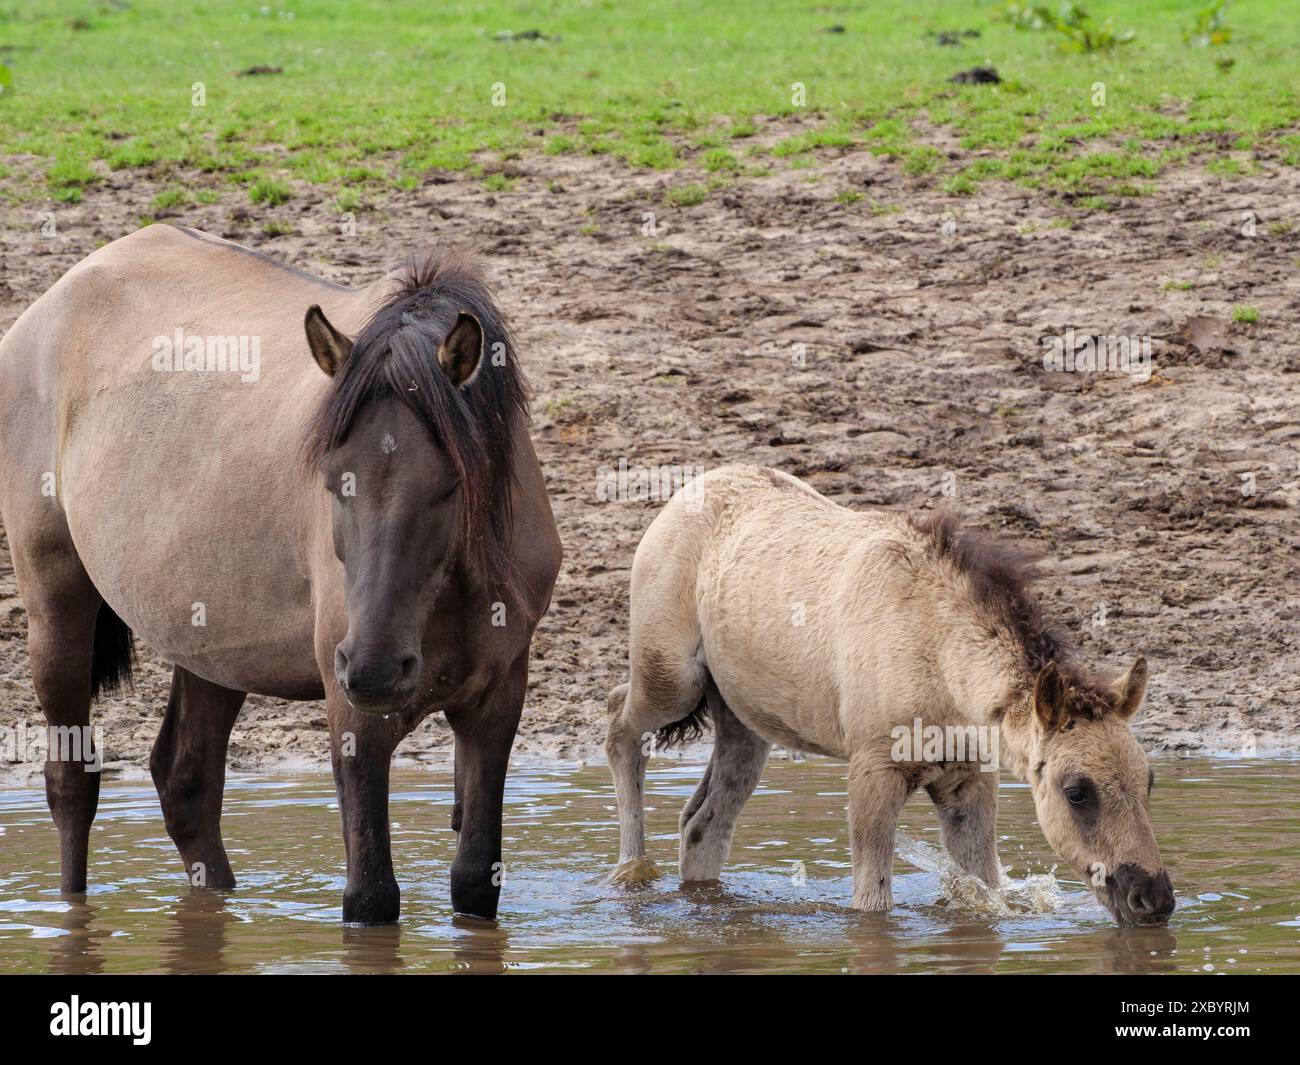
{"x": 1134, "y": 950}
{"x": 78, "y": 952}
{"x": 781, "y": 907}
{"x": 372, "y": 950}
{"x": 481, "y": 948}
{"x": 195, "y": 940}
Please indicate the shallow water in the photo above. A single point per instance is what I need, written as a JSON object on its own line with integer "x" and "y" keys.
{"x": 1230, "y": 832}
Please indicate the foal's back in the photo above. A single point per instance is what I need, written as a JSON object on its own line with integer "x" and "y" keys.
{"x": 801, "y": 612}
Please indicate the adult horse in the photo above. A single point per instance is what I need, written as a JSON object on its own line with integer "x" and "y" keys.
{"x": 277, "y": 509}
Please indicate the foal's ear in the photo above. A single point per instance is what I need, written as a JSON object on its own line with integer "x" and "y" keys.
{"x": 462, "y": 349}
{"x": 1130, "y": 688}
{"x": 329, "y": 347}
{"x": 1049, "y": 698}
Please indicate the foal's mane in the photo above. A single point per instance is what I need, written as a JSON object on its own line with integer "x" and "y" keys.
{"x": 396, "y": 355}
{"x": 1000, "y": 576}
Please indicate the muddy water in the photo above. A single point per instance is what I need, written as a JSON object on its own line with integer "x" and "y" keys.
{"x": 1230, "y": 831}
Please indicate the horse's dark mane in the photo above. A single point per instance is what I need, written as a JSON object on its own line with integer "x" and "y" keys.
{"x": 1000, "y": 575}
{"x": 396, "y": 355}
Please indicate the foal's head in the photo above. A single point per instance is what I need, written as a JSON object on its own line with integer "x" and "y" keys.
{"x": 1092, "y": 787}
{"x": 414, "y": 445}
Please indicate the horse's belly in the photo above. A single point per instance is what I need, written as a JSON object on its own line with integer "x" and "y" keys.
{"x": 777, "y": 698}
{"x": 255, "y": 640}
{"x": 771, "y": 655}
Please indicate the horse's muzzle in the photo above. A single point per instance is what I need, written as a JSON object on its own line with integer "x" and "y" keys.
{"x": 377, "y": 684}
{"x": 1138, "y": 897}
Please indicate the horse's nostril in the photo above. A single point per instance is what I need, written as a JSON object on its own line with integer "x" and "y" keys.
{"x": 1140, "y": 902}
{"x": 410, "y": 670}
{"x": 341, "y": 667}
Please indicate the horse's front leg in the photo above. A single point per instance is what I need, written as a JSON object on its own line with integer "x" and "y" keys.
{"x": 361, "y": 750}
{"x": 876, "y": 796}
{"x": 484, "y": 736}
{"x": 967, "y": 801}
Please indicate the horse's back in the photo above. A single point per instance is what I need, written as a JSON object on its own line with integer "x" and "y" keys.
{"x": 152, "y": 446}
{"x": 755, "y": 570}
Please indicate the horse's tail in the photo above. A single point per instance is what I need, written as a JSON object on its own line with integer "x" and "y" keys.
{"x": 114, "y": 654}
{"x": 687, "y": 729}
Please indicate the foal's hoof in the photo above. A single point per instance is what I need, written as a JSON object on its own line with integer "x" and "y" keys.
{"x": 634, "y": 871}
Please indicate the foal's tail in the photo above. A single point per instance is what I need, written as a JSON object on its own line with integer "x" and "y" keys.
{"x": 677, "y": 734}
{"x": 689, "y": 728}
{"x": 113, "y": 656}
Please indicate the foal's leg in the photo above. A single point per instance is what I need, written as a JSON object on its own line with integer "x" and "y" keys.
{"x": 967, "y": 801}
{"x": 638, "y": 710}
{"x": 876, "y": 796}
{"x": 188, "y": 764}
{"x": 361, "y": 751}
{"x": 484, "y": 736}
{"x": 62, "y": 606}
{"x": 627, "y": 751}
{"x": 733, "y": 772}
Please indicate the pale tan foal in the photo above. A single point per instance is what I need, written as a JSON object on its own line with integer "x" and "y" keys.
{"x": 787, "y": 619}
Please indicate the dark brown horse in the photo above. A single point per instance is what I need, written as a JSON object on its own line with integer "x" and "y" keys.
{"x": 300, "y": 516}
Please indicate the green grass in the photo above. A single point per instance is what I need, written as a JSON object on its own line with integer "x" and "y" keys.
{"x": 687, "y": 195}
{"x": 1244, "y": 313}
{"x": 269, "y": 191}
{"x": 377, "y": 95}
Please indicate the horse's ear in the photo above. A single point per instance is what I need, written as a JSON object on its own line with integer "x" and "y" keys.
{"x": 1130, "y": 688}
{"x": 1049, "y": 698}
{"x": 462, "y": 349}
{"x": 329, "y": 347}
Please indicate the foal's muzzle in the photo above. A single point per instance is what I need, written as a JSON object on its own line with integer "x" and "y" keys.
{"x": 1138, "y": 897}
{"x": 376, "y": 683}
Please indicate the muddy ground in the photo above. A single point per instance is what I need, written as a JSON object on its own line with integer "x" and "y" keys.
{"x": 1167, "y": 508}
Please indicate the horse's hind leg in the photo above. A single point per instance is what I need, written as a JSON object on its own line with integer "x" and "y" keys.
{"x": 709, "y": 818}
{"x": 62, "y": 610}
{"x": 660, "y": 693}
{"x": 188, "y": 764}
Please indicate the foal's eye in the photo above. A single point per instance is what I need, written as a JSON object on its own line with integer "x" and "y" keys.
{"x": 1077, "y": 797}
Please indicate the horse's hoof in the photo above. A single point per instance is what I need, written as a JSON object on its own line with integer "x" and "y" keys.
{"x": 372, "y": 905}
{"x": 634, "y": 871}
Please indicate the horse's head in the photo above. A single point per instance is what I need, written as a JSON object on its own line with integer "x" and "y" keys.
{"x": 395, "y": 508}
{"x": 1092, "y": 786}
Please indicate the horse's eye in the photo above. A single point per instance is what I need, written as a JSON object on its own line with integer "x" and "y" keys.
{"x": 1076, "y": 797}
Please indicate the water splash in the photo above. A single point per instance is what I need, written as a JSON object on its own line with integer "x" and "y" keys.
{"x": 958, "y": 890}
